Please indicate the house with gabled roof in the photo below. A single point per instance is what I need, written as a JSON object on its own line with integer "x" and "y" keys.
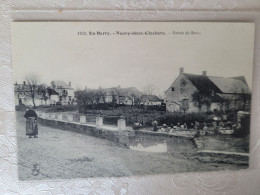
{"x": 202, "y": 93}
{"x": 151, "y": 100}
{"x": 128, "y": 96}
{"x": 65, "y": 91}
{"x": 118, "y": 95}
{"x": 43, "y": 95}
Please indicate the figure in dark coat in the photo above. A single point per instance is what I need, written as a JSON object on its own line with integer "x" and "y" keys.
{"x": 31, "y": 122}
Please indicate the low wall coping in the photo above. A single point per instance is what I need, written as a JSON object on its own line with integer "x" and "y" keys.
{"x": 104, "y": 127}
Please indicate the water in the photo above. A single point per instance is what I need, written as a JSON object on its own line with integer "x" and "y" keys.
{"x": 157, "y": 144}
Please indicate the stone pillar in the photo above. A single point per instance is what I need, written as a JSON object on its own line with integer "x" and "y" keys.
{"x": 52, "y": 115}
{"x": 43, "y": 115}
{"x": 60, "y": 117}
{"x": 56, "y": 115}
{"x": 121, "y": 124}
{"x": 70, "y": 117}
{"x": 99, "y": 121}
{"x": 47, "y": 115}
{"x": 83, "y": 119}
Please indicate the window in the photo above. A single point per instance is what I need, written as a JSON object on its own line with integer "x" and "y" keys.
{"x": 173, "y": 89}
{"x": 64, "y": 92}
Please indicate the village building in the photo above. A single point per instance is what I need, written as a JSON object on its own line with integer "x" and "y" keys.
{"x": 58, "y": 93}
{"x": 151, "y": 100}
{"x": 42, "y": 95}
{"x": 202, "y": 93}
{"x": 117, "y": 95}
{"x": 128, "y": 96}
{"x": 22, "y": 95}
{"x": 53, "y": 96}
{"x": 65, "y": 92}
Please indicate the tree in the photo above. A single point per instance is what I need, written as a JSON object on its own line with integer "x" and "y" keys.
{"x": 161, "y": 95}
{"x": 183, "y": 105}
{"x": 86, "y": 97}
{"x": 149, "y": 89}
{"x": 42, "y": 90}
{"x": 32, "y": 80}
{"x": 103, "y": 95}
{"x": 97, "y": 96}
{"x": 134, "y": 98}
{"x": 200, "y": 99}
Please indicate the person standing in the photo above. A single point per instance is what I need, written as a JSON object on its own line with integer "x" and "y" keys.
{"x": 155, "y": 123}
{"x": 31, "y": 122}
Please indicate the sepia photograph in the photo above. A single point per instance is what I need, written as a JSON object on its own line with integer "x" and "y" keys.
{"x": 118, "y": 99}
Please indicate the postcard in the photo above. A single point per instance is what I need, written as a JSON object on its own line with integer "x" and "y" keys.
{"x": 117, "y": 99}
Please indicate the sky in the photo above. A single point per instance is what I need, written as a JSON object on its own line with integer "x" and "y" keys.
{"x": 55, "y": 51}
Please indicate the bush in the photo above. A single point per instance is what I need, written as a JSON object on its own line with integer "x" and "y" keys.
{"x": 245, "y": 127}
{"x": 110, "y": 120}
{"x": 146, "y": 116}
{"x": 188, "y": 118}
{"x": 232, "y": 116}
{"x": 60, "y": 108}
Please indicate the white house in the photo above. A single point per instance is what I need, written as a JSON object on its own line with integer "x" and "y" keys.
{"x": 65, "y": 92}
{"x": 23, "y": 95}
{"x": 151, "y": 100}
{"x": 60, "y": 92}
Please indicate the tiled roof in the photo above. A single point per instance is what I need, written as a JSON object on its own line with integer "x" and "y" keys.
{"x": 123, "y": 92}
{"x": 202, "y": 83}
{"x": 230, "y": 85}
{"x": 130, "y": 91}
{"x": 52, "y": 91}
{"x": 152, "y": 98}
{"x": 62, "y": 84}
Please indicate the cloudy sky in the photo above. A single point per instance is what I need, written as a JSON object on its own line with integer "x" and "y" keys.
{"x": 55, "y": 51}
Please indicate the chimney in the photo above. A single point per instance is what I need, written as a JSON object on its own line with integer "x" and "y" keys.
{"x": 24, "y": 82}
{"x": 204, "y": 73}
{"x": 70, "y": 84}
{"x": 181, "y": 70}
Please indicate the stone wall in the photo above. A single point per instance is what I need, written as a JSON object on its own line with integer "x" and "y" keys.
{"x": 66, "y": 122}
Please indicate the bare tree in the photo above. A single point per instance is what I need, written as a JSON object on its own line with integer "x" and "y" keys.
{"x": 200, "y": 99}
{"x": 161, "y": 95}
{"x": 32, "y": 80}
{"x": 149, "y": 89}
{"x": 134, "y": 98}
{"x": 42, "y": 90}
{"x": 103, "y": 95}
{"x": 183, "y": 105}
{"x": 87, "y": 97}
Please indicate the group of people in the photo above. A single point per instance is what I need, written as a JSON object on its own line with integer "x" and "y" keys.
{"x": 31, "y": 122}
{"x": 193, "y": 126}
